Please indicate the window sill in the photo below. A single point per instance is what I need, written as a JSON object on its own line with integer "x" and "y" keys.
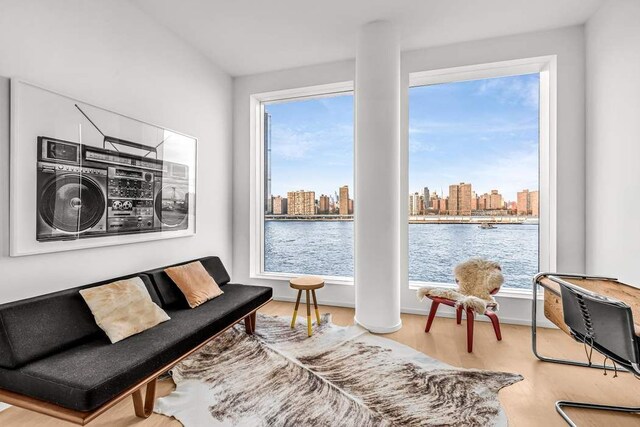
{"x": 285, "y": 277}
{"x": 504, "y": 292}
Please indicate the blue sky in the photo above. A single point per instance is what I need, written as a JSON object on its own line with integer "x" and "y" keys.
{"x": 484, "y": 132}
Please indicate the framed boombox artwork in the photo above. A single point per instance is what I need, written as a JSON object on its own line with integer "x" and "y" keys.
{"x": 83, "y": 176}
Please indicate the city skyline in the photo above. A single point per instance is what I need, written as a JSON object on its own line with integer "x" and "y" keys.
{"x": 461, "y": 199}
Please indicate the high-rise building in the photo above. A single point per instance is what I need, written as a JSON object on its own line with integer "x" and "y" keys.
{"x": 301, "y": 202}
{"x": 524, "y": 207}
{"x": 332, "y": 205}
{"x": 434, "y": 202}
{"x": 483, "y": 202}
{"x": 464, "y": 202}
{"x": 534, "y": 203}
{"x": 344, "y": 200}
{"x": 415, "y": 203}
{"x": 460, "y": 199}
{"x": 267, "y": 164}
{"x": 495, "y": 200}
{"x": 528, "y": 203}
{"x": 474, "y": 201}
{"x": 323, "y": 204}
{"x": 279, "y": 205}
{"x": 350, "y": 206}
{"x": 443, "y": 206}
{"x": 426, "y": 198}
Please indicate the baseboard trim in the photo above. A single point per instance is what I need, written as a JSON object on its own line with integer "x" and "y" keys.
{"x": 541, "y": 323}
{"x": 379, "y": 330}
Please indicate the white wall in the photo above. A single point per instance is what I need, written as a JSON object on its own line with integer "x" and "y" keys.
{"x": 613, "y": 141}
{"x": 112, "y": 55}
{"x": 567, "y": 44}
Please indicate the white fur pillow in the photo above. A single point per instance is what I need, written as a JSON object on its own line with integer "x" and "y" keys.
{"x": 123, "y": 308}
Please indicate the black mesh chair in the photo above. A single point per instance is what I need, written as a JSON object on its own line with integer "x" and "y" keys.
{"x": 603, "y": 324}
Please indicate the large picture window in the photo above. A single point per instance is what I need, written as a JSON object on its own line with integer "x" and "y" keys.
{"x": 307, "y": 184}
{"x": 474, "y": 177}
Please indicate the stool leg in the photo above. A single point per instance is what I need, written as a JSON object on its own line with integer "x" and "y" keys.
{"x": 308, "y": 315}
{"x": 470, "y": 320}
{"x": 432, "y": 315}
{"x": 315, "y": 305}
{"x": 295, "y": 310}
{"x": 495, "y": 322}
{"x": 459, "y": 314}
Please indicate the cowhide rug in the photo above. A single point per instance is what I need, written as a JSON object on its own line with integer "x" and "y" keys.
{"x": 342, "y": 376}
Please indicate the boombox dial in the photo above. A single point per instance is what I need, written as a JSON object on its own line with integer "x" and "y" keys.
{"x": 130, "y": 192}
{"x": 132, "y": 189}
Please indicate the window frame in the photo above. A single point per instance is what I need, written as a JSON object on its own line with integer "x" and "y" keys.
{"x": 546, "y": 67}
{"x": 257, "y": 166}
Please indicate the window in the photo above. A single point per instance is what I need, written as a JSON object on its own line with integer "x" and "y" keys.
{"x": 307, "y": 185}
{"x": 475, "y": 173}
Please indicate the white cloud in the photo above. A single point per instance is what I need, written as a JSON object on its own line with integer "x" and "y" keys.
{"x": 427, "y": 127}
{"x": 289, "y": 144}
{"x": 512, "y": 91}
{"x": 416, "y": 146}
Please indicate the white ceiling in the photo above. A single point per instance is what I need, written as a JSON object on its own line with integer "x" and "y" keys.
{"x": 253, "y": 36}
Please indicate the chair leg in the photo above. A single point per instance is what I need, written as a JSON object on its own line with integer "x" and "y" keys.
{"x": 295, "y": 310}
{"x": 315, "y": 305}
{"x": 459, "y": 314}
{"x": 495, "y": 322}
{"x": 144, "y": 410}
{"x": 309, "y": 331}
{"x": 470, "y": 320}
{"x": 562, "y": 403}
{"x": 432, "y": 315}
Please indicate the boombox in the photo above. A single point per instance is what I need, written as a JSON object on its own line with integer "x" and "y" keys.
{"x": 87, "y": 192}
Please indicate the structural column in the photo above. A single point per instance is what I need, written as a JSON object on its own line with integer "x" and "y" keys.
{"x": 377, "y": 178}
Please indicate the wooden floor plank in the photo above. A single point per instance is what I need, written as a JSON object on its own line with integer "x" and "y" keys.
{"x": 528, "y": 403}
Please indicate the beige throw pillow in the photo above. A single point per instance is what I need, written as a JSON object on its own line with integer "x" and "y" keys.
{"x": 123, "y": 308}
{"x": 195, "y": 283}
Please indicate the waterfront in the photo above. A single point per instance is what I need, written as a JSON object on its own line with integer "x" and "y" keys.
{"x": 326, "y": 248}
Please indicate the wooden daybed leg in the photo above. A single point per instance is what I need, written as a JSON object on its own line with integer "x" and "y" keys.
{"x": 145, "y": 409}
{"x": 253, "y": 321}
{"x": 250, "y": 323}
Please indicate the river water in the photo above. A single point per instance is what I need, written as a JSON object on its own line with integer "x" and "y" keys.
{"x": 326, "y": 248}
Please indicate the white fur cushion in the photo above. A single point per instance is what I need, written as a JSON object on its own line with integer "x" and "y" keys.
{"x": 123, "y": 308}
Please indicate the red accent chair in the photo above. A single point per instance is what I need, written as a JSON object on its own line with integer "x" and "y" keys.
{"x": 436, "y": 301}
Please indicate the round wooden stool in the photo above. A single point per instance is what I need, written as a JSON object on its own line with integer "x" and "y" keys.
{"x": 306, "y": 283}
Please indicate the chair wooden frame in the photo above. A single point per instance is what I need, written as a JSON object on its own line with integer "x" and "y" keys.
{"x": 143, "y": 408}
{"x": 436, "y": 301}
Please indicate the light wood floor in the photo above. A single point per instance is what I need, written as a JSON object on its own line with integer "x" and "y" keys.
{"x": 527, "y": 403}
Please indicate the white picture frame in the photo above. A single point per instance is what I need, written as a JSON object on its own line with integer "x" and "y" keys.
{"x": 44, "y": 118}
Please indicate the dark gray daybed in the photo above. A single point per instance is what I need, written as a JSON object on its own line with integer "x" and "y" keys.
{"x": 55, "y": 360}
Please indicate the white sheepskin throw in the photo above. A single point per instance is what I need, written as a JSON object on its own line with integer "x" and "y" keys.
{"x": 478, "y": 280}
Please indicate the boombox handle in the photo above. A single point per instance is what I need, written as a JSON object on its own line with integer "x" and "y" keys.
{"x": 117, "y": 141}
